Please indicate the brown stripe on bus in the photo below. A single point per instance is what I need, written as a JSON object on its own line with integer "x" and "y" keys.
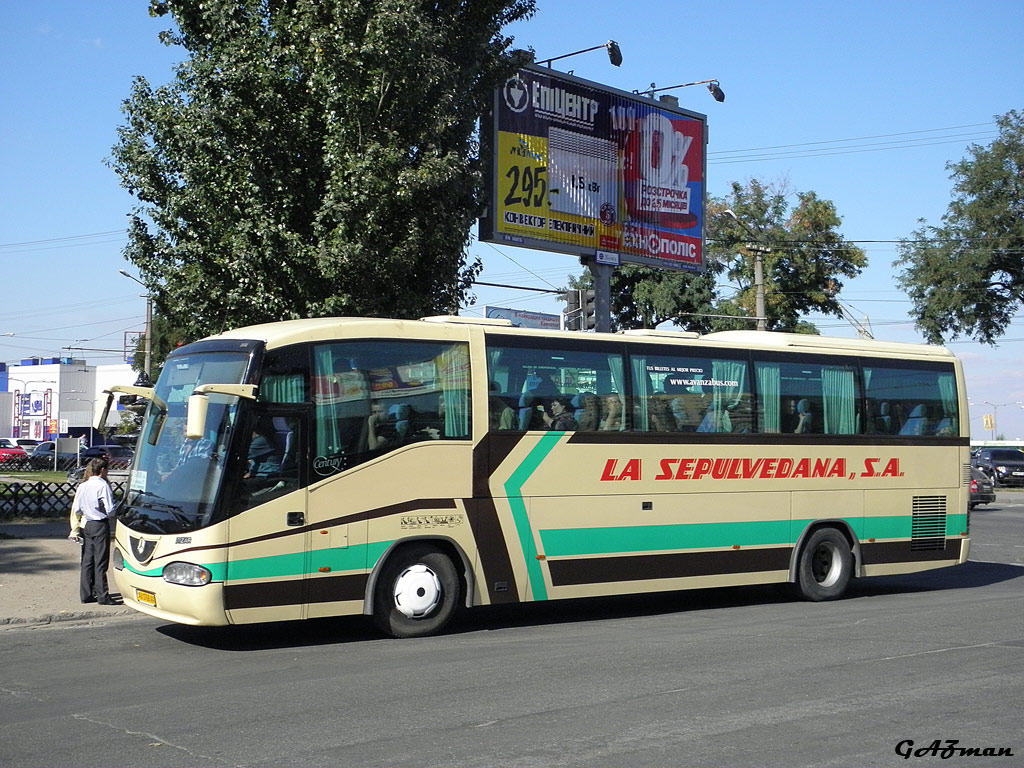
{"x": 499, "y": 578}
{"x": 603, "y": 570}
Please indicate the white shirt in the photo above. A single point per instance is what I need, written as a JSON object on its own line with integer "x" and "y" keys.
{"x": 93, "y": 500}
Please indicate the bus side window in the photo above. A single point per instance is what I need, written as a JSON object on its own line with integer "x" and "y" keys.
{"x": 372, "y": 397}
{"x": 549, "y": 383}
{"x": 911, "y": 399}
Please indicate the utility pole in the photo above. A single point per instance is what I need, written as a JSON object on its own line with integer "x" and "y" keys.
{"x": 759, "y": 249}
{"x": 759, "y": 252}
{"x": 149, "y": 324}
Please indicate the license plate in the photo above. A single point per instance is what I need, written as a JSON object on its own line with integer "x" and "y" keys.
{"x": 145, "y": 597}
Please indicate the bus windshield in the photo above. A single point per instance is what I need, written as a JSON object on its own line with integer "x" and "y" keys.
{"x": 175, "y": 481}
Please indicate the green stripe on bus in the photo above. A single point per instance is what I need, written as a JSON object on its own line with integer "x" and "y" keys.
{"x": 570, "y": 542}
{"x": 356, "y": 558}
{"x": 655, "y": 538}
{"x": 293, "y": 564}
{"x": 155, "y": 572}
{"x": 956, "y": 524}
{"x": 514, "y": 492}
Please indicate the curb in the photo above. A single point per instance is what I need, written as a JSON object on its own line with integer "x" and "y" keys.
{"x": 54, "y": 618}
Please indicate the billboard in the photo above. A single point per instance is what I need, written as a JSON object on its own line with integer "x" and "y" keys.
{"x": 522, "y": 318}
{"x": 579, "y": 167}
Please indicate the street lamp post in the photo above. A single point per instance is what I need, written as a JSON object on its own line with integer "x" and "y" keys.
{"x": 92, "y": 416}
{"x": 149, "y": 323}
{"x": 995, "y": 415}
{"x": 759, "y": 249}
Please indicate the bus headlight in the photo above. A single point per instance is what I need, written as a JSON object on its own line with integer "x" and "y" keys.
{"x": 118, "y": 560}
{"x": 187, "y": 574}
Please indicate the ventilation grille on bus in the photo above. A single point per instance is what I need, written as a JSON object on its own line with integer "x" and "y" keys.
{"x": 928, "y": 528}
{"x": 967, "y": 475}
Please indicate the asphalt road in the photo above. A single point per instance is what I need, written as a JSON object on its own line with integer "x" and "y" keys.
{"x": 736, "y": 677}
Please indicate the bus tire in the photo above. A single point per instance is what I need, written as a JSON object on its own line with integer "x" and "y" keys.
{"x": 825, "y": 566}
{"x": 417, "y": 592}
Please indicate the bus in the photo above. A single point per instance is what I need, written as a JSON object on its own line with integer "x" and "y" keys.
{"x": 405, "y": 469}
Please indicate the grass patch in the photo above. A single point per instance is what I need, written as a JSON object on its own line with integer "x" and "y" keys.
{"x": 33, "y": 477}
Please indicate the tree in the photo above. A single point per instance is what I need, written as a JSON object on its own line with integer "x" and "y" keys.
{"x": 966, "y": 277}
{"x": 311, "y": 157}
{"x": 804, "y": 266}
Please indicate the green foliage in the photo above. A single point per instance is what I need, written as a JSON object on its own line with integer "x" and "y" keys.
{"x": 966, "y": 277}
{"x": 311, "y": 157}
{"x": 803, "y": 268}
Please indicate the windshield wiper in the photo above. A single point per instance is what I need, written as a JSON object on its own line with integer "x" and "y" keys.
{"x": 178, "y": 513}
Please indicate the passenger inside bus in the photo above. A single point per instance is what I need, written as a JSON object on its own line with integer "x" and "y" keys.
{"x": 264, "y": 458}
{"x": 587, "y": 411}
{"x": 537, "y": 393}
{"x": 804, "y": 417}
{"x": 501, "y": 414}
{"x": 611, "y": 413}
{"x": 558, "y": 417}
{"x": 385, "y": 432}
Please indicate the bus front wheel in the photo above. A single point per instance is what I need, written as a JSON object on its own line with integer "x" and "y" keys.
{"x": 417, "y": 592}
{"x": 825, "y": 566}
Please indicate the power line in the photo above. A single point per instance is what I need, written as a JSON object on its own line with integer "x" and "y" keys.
{"x": 518, "y": 287}
{"x": 858, "y": 138}
{"x": 63, "y": 239}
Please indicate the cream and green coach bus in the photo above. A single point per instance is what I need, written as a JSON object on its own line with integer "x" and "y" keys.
{"x": 403, "y": 469}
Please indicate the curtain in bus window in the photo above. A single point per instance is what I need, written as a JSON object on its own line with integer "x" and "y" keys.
{"x": 642, "y": 391}
{"x": 949, "y": 425}
{"x": 288, "y": 388}
{"x": 731, "y": 400}
{"x": 328, "y": 399}
{"x": 769, "y": 390}
{"x": 453, "y": 373}
{"x": 610, "y": 420}
{"x": 839, "y": 400}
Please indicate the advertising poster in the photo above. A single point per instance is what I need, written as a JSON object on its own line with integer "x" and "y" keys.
{"x": 522, "y": 318}
{"x": 579, "y": 167}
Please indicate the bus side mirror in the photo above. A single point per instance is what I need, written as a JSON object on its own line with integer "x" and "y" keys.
{"x": 195, "y": 424}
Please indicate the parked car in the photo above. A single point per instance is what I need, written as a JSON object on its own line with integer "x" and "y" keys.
{"x": 111, "y": 451}
{"x": 1005, "y": 466}
{"x": 120, "y": 457}
{"x": 27, "y": 443}
{"x": 10, "y": 450}
{"x": 42, "y": 456}
{"x": 982, "y": 490}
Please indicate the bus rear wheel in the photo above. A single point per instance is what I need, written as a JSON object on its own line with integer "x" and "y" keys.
{"x": 825, "y": 566}
{"x": 417, "y": 592}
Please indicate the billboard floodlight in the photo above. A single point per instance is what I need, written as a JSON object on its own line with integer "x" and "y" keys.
{"x": 713, "y": 86}
{"x": 614, "y": 54}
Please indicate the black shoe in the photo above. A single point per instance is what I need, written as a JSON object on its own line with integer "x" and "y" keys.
{"x": 89, "y": 600}
{"x": 107, "y": 601}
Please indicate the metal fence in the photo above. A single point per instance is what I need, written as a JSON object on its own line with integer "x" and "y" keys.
{"x": 37, "y": 499}
{"x": 46, "y": 464}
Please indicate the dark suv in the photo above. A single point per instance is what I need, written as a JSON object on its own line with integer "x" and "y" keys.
{"x": 1004, "y": 465}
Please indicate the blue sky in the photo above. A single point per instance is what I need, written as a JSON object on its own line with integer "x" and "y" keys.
{"x": 861, "y": 102}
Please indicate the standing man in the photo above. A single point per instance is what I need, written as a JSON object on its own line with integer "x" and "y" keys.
{"x": 95, "y": 503}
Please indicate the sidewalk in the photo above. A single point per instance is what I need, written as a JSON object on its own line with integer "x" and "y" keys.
{"x": 39, "y": 569}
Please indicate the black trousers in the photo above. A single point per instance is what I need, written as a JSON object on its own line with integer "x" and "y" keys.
{"x": 95, "y": 559}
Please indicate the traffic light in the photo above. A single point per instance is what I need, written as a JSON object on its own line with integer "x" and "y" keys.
{"x": 588, "y": 310}
{"x": 572, "y": 309}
